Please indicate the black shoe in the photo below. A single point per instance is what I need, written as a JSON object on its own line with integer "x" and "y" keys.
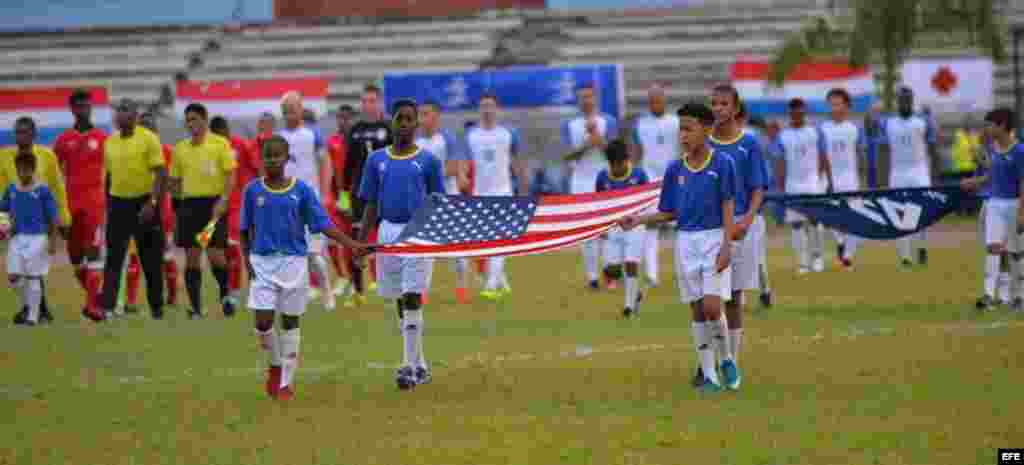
{"x": 229, "y": 309}
{"x": 21, "y": 317}
{"x": 840, "y": 251}
{"x": 194, "y": 315}
{"x": 698, "y": 379}
{"x": 594, "y": 285}
{"x": 766, "y": 299}
{"x": 405, "y": 378}
{"x": 45, "y": 317}
{"x": 984, "y": 303}
{"x": 157, "y": 313}
{"x": 423, "y": 376}
{"x": 922, "y": 257}
{"x": 627, "y": 313}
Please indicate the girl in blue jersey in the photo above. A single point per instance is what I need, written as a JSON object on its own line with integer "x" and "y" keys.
{"x": 277, "y": 210}
{"x": 698, "y": 193}
{"x": 623, "y": 246}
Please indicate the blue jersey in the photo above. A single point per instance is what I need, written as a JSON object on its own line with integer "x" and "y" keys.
{"x": 1006, "y": 171}
{"x": 32, "y": 210}
{"x": 745, "y": 153}
{"x": 695, "y": 194}
{"x": 606, "y": 182}
{"x": 276, "y": 220}
{"x": 400, "y": 185}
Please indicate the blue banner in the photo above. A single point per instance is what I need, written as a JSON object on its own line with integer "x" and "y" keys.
{"x": 516, "y": 87}
{"x": 878, "y": 214}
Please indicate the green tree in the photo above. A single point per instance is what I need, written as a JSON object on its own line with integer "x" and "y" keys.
{"x": 887, "y": 31}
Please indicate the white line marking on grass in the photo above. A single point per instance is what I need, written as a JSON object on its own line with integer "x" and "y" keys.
{"x": 485, "y": 359}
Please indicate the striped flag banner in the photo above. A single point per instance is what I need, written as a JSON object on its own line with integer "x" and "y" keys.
{"x": 808, "y": 81}
{"x": 250, "y": 98}
{"x": 450, "y": 226}
{"x": 48, "y": 106}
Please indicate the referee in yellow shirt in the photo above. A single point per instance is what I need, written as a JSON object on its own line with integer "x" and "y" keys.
{"x": 137, "y": 178}
{"x": 202, "y": 176}
{"x": 48, "y": 173}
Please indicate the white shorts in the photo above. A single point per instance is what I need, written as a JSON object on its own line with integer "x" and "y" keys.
{"x": 280, "y": 283}
{"x": 1001, "y": 223}
{"x": 913, "y": 178}
{"x": 27, "y": 255}
{"x": 696, "y": 253}
{"x": 625, "y": 246}
{"x": 746, "y": 258}
{"x": 400, "y": 275}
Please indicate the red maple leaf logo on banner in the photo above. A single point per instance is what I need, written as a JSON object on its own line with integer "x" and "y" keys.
{"x": 944, "y": 81}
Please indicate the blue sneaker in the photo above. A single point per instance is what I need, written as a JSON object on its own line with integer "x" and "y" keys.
{"x": 709, "y": 387}
{"x": 731, "y": 373}
{"x": 405, "y": 378}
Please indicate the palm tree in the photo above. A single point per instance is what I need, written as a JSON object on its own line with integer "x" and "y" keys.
{"x": 887, "y": 30}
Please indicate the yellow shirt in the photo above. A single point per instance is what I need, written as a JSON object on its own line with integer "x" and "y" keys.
{"x": 47, "y": 172}
{"x": 202, "y": 168}
{"x": 130, "y": 162}
{"x": 965, "y": 146}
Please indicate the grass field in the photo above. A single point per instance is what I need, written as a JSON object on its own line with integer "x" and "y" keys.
{"x": 876, "y": 366}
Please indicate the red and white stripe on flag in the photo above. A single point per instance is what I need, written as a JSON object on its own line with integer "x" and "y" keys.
{"x": 556, "y": 222}
{"x": 250, "y": 98}
{"x": 48, "y": 107}
{"x": 809, "y": 81}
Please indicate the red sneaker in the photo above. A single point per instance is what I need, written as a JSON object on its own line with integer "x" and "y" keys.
{"x": 93, "y": 315}
{"x": 461, "y": 295}
{"x": 273, "y": 381}
{"x": 612, "y": 284}
{"x": 285, "y": 393}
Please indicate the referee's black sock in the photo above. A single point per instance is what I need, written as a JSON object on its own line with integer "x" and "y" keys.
{"x": 221, "y": 275}
{"x": 194, "y": 286}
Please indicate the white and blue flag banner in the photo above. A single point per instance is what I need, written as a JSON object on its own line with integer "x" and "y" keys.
{"x": 515, "y": 87}
{"x": 878, "y": 214}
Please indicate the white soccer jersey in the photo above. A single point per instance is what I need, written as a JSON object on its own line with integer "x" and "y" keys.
{"x": 305, "y": 156}
{"x": 659, "y": 138}
{"x": 574, "y": 134}
{"x": 908, "y": 141}
{"x": 442, "y": 145}
{"x": 492, "y": 151}
{"x": 801, "y": 151}
{"x": 840, "y": 142}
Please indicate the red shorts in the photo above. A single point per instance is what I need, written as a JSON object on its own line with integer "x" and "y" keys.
{"x": 86, "y": 229}
{"x": 234, "y": 219}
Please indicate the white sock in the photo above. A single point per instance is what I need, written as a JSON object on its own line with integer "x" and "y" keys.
{"x": 590, "y": 251}
{"x": 706, "y": 351}
{"x": 495, "y": 271}
{"x": 289, "y": 355}
{"x": 697, "y": 333}
{"x": 720, "y": 338}
{"x": 995, "y": 281}
{"x": 1013, "y": 279}
{"x": 33, "y": 293}
{"x": 800, "y": 246}
{"x": 903, "y": 246}
{"x": 735, "y": 340}
{"x": 421, "y": 360}
{"x": 632, "y": 290}
{"x": 851, "y": 247}
{"x": 271, "y": 345}
{"x": 651, "y": 255}
{"x": 818, "y": 240}
{"x": 318, "y": 266}
{"x": 412, "y": 327}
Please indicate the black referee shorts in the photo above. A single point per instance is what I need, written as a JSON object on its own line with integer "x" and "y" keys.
{"x": 193, "y": 214}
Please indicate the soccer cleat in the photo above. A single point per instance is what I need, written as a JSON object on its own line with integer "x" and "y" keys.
{"x": 708, "y": 387}
{"x": 612, "y": 284}
{"x": 731, "y": 375}
{"x": 922, "y": 257}
{"x": 93, "y": 315}
{"x": 840, "y": 252}
{"x": 490, "y": 294}
{"x": 423, "y": 376}
{"x": 766, "y": 299}
{"x": 314, "y": 293}
{"x": 846, "y": 264}
{"x": 594, "y": 285}
{"x": 228, "y": 305}
{"x": 1017, "y": 305}
{"x": 157, "y": 313}
{"x": 984, "y": 303}
{"x": 405, "y": 378}
{"x": 698, "y": 378}
{"x": 461, "y": 295}
{"x": 803, "y": 270}
{"x": 285, "y": 394}
{"x": 627, "y": 313}
{"x": 819, "y": 265}
{"x": 650, "y": 282}
{"x": 45, "y": 317}
{"x": 29, "y": 323}
{"x": 342, "y": 287}
{"x": 195, "y": 315}
{"x": 131, "y": 309}
{"x": 906, "y": 263}
{"x": 273, "y": 382}
{"x": 21, "y": 317}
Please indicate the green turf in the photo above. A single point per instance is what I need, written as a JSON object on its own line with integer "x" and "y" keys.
{"x": 876, "y": 366}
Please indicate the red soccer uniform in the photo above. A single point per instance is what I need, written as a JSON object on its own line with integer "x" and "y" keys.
{"x": 166, "y": 211}
{"x": 80, "y": 155}
{"x": 249, "y": 165}
{"x": 337, "y": 151}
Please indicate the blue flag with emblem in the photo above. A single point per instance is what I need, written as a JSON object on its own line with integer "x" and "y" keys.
{"x": 878, "y": 214}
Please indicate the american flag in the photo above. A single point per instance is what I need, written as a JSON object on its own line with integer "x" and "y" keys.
{"x": 450, "y": 226}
